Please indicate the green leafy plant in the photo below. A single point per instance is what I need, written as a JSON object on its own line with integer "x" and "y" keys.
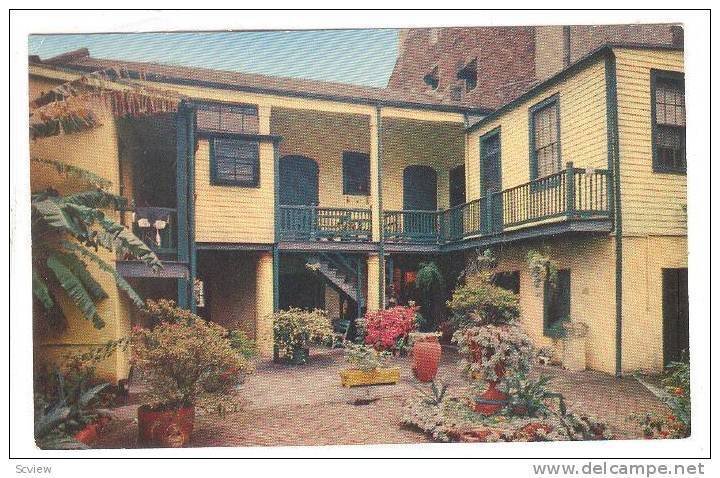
{"x": 675, "y": 393}
{"x": 187, "y": 363}
{"x": 67, "y": 232}
{"x": 527, "y": 396}
{"x": 242, "y": 344}
{"x": 542, "y": 268}
{"x": 481, "y": 261}
{"x": 494, "y": 352}
{"x": 295, "y": 329}
{"x": 483, "y": 303}
{"x": 435, "y": 395}
{"x": 365, "y": 358}
{"x": 431, "y": 284}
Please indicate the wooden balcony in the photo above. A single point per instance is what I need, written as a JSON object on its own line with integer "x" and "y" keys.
{"x": 328, "y": 224}
{"x": 575, "y": 199}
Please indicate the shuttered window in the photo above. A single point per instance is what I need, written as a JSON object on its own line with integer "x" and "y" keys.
{"x": 545, "y": 138}
{"x": 668, "y": 117}
{"x": 356, "y": 173}
{"x": 235, "y": 162}
{"x": 557, "y": 300}
{"x": 227, "y": 118}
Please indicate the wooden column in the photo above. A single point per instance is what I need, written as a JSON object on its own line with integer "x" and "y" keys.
{"x": 264, "y": 303}
{"x": 374, "y": 278}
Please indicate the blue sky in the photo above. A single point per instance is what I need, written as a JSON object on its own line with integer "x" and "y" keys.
{"x": 364, "y": 57}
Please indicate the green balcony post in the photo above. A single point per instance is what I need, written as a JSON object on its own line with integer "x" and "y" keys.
{"x": 570, "y": 192}
{"x": 489, "y": 213}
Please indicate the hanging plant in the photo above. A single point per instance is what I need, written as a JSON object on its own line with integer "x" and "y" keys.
{"x": 481, "y": 261}
{"x": 542, "y": 268}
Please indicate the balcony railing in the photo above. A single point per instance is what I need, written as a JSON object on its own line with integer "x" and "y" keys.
{"x": 314, "y": 223}
{"x": 156, "y": 227}
{"x": 573, "y": 193}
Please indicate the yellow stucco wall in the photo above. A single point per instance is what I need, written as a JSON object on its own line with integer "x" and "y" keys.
{"x": 583, "y": 129}
{"x": 652, "y": 202}
{"x": 97, "y": 151}
{"x": 592, "y": 297}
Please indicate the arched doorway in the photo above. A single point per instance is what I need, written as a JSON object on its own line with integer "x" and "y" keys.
{"x": 298, "y": 181}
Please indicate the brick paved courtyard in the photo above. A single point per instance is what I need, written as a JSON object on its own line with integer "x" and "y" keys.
{"x": 286, "y": 405}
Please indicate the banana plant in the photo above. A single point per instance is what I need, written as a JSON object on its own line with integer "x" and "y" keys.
{"x": 68, "y": 231}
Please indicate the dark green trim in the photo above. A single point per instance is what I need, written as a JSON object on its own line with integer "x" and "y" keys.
{"x": 552, "y": 100}
{"x": 656, "y": 74}
{"x": 215, "y": 180}
{"x": 191, "y": 119}
{"x": 381, "y": 244}
{"x": 274, "y": 138}
{"x": 606, "y": 49}
{"x": 276, "y": 207}
{"x": 182, "y": 193}
{"x": 613, "y": 148}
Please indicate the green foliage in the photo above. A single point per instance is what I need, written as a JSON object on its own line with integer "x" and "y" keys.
{"x": 166, "y": 311}
{"x": 365, "y": 358}
{"x": 542, "y": 268}
{"x": 528, "y": 396}
{"x": 295, "y": 329}
{"x": 480, "y": 262}
{"x": 67, "y": 231}
{"x": 431, "y": 285}
{"x": 675, "y": 393}
{"x": 187, "y": 363}
{"x": 435, "y": 395}
{"x": 242, "y": 344}
{"x": 483, "y": 303}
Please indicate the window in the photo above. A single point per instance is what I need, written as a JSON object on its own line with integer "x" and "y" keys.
{"x": 468, "y": 73}
{"x": 432, "y": 79}
{"x": 226, "y": 118}
{"x": 668, "y": 120}
{"x": 356, "y": 174}
{"x": 508, "y": 281}
{"x": 545, "y": 138}
{"x": 556, "y": 301}
{"x": 234, "y": 162}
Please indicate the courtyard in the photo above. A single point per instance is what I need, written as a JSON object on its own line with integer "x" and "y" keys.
{"x": 285, "y": 405}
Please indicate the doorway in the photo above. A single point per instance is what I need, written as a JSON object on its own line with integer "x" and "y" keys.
{"x": 676, "y": 323}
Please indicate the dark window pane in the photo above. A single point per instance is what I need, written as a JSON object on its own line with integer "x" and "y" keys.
{"x": 225, "y": 118}
{"x": 236, "y": 162}
{"x": 356, "y": 173}
{"x": 669, "y": 122}
{"x": 545, "y": 140}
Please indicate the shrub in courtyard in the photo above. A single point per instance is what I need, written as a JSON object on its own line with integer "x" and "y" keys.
{"x": 185, "y": 366}
{"x": 296, "y": 329}
{"x": 483, "y": 303}
{"x": 431, "y": 284}
{"x": 166, "y": 311}
{"x": 365, "y": 358}
{"x": 388, "y": 329}
{"x": 494, "y": 351}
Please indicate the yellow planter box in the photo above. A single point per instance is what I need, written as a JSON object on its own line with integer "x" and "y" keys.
{"x": 381, "y": 376}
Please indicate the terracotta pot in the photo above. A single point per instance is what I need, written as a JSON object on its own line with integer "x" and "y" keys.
{"x": 167, "y": 428}
{"x": 491, "y": 401}
{"x": 426, "y": 357}
{"x": 88, "y": 434}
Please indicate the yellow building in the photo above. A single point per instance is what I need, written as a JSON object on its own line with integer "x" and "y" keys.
{"x": 255, "y": 178}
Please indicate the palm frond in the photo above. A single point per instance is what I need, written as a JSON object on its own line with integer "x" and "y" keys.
{"x": 128, "y": 242}
{"x": 96, "y": 198}
{"x": 74, "y": 289}
{"x": 79, "y": 268}
{"x": 70, "y": 170}
{"x": 107, "y": 268}
{"x": 41, "y": 291}
{"x": 49, "y": 214}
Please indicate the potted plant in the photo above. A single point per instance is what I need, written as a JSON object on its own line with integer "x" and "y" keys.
{"x": 426, "y": 352}
{"x": 185, "y": 365}
{"x": 295, "y": 329}
{"x": 367, "y": 367}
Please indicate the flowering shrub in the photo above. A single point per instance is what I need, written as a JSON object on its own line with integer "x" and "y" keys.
{"x": 494, "y": 351}
{"x": 186, "y": 364}
{"x": 365, "y": 358}
{"x": 295, "y": 329}
{"x": 675, "y": 393}
{"x": 388, "y": 329}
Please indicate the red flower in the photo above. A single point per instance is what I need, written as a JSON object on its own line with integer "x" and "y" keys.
{"x": 385, "y": 327}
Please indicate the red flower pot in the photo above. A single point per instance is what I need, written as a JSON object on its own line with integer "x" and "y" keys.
{"x": 491, "y": 401}
{"x": 167, "y": 428}
{"x": 426, "y": 357}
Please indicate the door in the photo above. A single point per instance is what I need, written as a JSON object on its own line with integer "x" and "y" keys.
{"x": 491, "y": 181}
{"x": 676, "y": 323}
{"x": 298, "y": 187}
{"x": 298, "y": 181}
{"x": 455, "y": 222}
{"x": 420, "y": 194}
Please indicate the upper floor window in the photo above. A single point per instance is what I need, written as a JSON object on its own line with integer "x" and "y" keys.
{"x": 432, "y": 79}
{"x": 545, "y": 138}
{"x": 468, "y": 73}
{"x": 234, "y": 162}
{"x": 227, "y": 118}
{"x": 668, "y": 121}
{"x": 356, "y": 173}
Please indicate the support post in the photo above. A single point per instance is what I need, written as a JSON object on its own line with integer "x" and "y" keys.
{"x": 264, "y": 303}
{"x": 374, "y": 277}
{"x": 570, "y": 189}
